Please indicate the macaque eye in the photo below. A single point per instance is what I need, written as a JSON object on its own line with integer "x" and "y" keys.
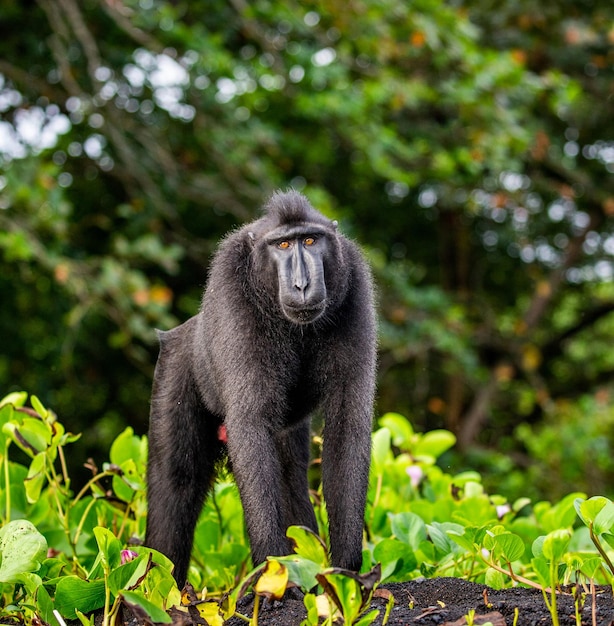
{"x": 309, "y": 241}
{"x": 283, "y": 245}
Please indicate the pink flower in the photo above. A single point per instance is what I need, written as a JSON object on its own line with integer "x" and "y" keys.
{"x": 128, "y": 555}
{"x": 502, "y": 510}
{"x": 415, "y": 474}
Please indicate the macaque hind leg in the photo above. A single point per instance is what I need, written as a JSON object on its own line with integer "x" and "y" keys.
{"x": 184, "y": 449}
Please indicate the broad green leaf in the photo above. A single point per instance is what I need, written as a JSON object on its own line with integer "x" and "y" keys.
{"x": 75, "y": 594}
{"x": 37, "y": 405}
{"x": 137, "y": 602}
{"x": 538, "y": 546}
{"x": 542, "y": 569}
{"x": 380, "y": 450}
{"x": 469, "y": 538}
{"x": 398, "y": 559}
{"x": 561, "y": 515}
{"x": 31, "y": 435}
{"x": 408, "y": 528}
{"x": 6, "y": 416}
{"x": 510, "y": 545}
{"x": 311, "y": 606}
{"x": 22, "y": 549}
{"x": 596, "y": 512}
{"x": 590, "y": 566}
{"x": 127, "y": 447}
{"x": 400, "y": 429}
{"x": 308, "y": 545}
{"x": 162, "y": 586}
{"x": 45, "y": 606}
{"x": 438, "y": 532}
{"x": 520, "y": 504}
{"x": 555, "y": 544}
{"x": 301, "y": 571}
{"x": 344, "y": 592}
{"x": 434, "y": 443}
{"x": 609, "y": 537}
{"x": 109, "y": 547}
{"x": 16, "y": 398}
{"x": 494, "y": 578}
{"x": 36, "y": 478}
{"x": 127, "y": 575}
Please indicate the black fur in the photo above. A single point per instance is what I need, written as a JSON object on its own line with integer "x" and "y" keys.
{"x": 275, "y": 339}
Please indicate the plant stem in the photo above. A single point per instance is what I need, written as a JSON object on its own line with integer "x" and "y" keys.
{"x": 63, "y": 466}
{"x": 600, "y": 549}
{"x": 7, "y": 482}
{"x": 254, "y": 620}
{"x": 89, "y": 484}
{"x": 553, "y": 609}
{"x": 107, "y": 598}
{"x": 82, "y": 521}
{"x": 515, "y": 577}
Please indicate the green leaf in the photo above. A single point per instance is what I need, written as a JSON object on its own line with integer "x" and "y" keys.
{"x": 44, "y": 605}
{"x": 75, "y": 594}
{"x": 127, "y": 575}
{"x": 308, "y": 545}
{"x": 37, "y": 405}
{"x": 36, "y": 478}
{"x": 400, "y": 429}
{"x": 542, "y": 569}
{"x": 345, "y": 593}
{"x": 367, "y": 619}
{"x": 398, "y": 559}
{"x": 591, "y": 566}
{"x": 469, "y": 538}
{"x": 22, "y": 549}
{"x": 510, "y": 545}
{"x": 434, "y": 443}
{"x": 311, "y": 606}
{"x": 301, "y": 571}
{"x": 596, "y": 512}
{"x": 128, "y": 447}
{"x": 109, "y": 547}
{"x": 408, "y": 528}
{"x": 609, "y": 537}
{"x": 16, "y": 398}
{"x": 84, "y": 619}
{"x": 494, "y": 579}
{"x": 438, "y": 532}
{"x": 32, "y": 435}
{"x": 555, "y": 545}
{"x": 380, "y": 450}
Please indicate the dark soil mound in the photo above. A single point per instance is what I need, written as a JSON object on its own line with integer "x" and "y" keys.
{"x": 446, "y": 602}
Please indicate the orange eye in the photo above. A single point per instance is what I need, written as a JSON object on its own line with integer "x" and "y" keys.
{"x": 284, "y": 245}
{"x": 309, "y": 241}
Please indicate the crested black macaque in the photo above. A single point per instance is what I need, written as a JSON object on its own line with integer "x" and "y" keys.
{"x": 286, "y": 327}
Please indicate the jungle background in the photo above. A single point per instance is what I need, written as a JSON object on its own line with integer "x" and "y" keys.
{"x": 467, "y": 145}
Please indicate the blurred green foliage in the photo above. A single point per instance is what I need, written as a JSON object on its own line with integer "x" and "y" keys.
{"x": 467, "y": 145}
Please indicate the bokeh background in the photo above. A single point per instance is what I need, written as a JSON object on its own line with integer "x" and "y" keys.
{"x": 467, "y": 145}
